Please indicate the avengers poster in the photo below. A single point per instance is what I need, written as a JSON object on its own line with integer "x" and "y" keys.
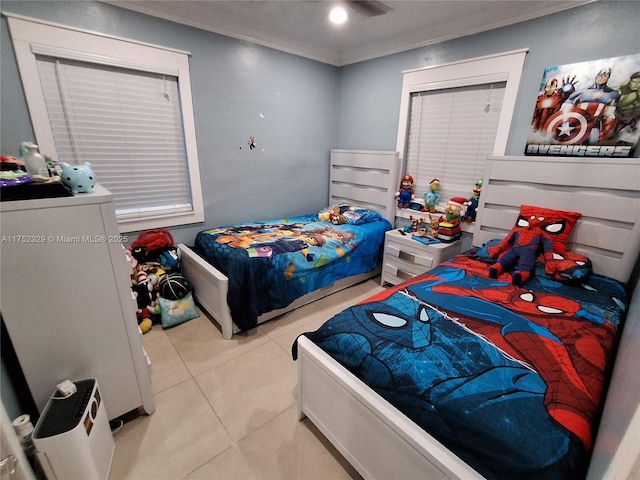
{"x": 588, "y": 109}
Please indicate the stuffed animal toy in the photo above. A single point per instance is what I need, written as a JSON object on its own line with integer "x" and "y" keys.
{"x": 472, "y": 205}
{"x": 323, "y": 216}
{"x": 405, "y": 193}
{"x": 432, "y": 196}
{"x": 520, "y": 249}
{"x": 415, "y": 222}
{"x": 79, "y": 178}
{"x": 334, "y": 214}
{"x": 434, "y": 225}
{"x": 454, "y": 210}
{"x": 147, "y": 307}
{"x": 337, "y": 218}
{"x": 150, "y": 244}
{"x": 9, "y": 162}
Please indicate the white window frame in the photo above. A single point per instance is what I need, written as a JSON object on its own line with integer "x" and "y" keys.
{"x": 31, "y": 36}
{"x": 502, "y": 67}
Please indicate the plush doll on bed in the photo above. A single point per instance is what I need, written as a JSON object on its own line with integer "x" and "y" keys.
{"x": 405, "y": 194}
{"x": 334, "y": 214}
{"x": 520, "y": 249}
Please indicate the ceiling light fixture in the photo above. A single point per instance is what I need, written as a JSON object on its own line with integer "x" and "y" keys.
{"x": 338, "y": 15}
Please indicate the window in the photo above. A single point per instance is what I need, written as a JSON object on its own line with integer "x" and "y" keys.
{"x": 453, "y": 116}
{"x": 124, "y": 107}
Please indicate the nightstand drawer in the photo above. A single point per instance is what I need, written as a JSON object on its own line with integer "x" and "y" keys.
{"x": 404, "y": 257}
{"x": 419, "y": 258}
{"x": 400, "y": 270}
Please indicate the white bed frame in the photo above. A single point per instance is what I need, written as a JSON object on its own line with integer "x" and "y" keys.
{"x": 365, "y": 178}
{"x": 380, "y": 442}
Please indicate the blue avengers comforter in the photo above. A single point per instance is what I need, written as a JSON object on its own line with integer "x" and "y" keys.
{"x": 511, "y": 379}
{"x": 270, "y": 264}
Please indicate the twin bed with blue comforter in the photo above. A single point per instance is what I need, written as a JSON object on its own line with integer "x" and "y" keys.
{"x": 247, "y": 274}
{"x": 510, "y": 379}
{"x": 272, "y": 263}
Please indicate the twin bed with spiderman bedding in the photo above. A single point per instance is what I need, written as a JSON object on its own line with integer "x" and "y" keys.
{"x": 489, "y": 366}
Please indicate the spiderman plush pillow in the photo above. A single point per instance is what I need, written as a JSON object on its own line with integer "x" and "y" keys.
{"x": 536, "y": 230}
{"x": 557, "y": 225}
{"x": 570, "y": 267}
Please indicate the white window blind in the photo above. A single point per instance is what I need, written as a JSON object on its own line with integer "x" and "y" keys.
{"x": 122, "y": 105}
{"x": 450, "y": 133}
{"x": 128, "y": 124}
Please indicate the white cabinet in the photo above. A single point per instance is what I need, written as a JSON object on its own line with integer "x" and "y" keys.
{"x": 66, "y": 299}
{"x": 405, "y": 258}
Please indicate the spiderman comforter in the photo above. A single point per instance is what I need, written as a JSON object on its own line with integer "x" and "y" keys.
{"x": 270, "y": 264}
{"x": 511, "y": 379}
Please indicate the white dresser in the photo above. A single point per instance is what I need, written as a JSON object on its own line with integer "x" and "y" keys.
{"x": 405, "y": 258}
{"x": 66, "y": 299}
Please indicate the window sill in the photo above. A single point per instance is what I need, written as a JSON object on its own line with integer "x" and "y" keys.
{"x": 165, "y": 221}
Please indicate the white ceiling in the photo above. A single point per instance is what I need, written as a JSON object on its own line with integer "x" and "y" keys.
{"x": 301, "y": 27}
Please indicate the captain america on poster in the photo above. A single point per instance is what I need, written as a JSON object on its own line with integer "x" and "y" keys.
{"x": 589, "y": 109}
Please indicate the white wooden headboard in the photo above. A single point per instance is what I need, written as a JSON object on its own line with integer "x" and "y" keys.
{"x": 366, "y": 178}
{"x": 606, "y": 191}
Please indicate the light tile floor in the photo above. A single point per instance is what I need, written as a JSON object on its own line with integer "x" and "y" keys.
{"x": 227, "y": 409}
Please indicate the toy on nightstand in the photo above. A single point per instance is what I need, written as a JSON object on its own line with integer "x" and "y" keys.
{"x": 422, "y": 229}
{"x": 454, "y": 210}
{"x": 405, "y": 193}
{"x": 434, "y": 225}
{"x": 432, "y": 196}
{"x": 415, "y": 223}
{"x": 472, "y": 206}
{"x": 417, "y": 204}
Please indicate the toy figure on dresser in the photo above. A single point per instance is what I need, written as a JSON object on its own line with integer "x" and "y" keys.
{"x": 472, "y": 205}
{"x": 79, "y": 178}
{"x": 432, "y": 196}
{"x": 405, "y": 194}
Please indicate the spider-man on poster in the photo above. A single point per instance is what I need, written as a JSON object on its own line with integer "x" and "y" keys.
{"x": 589, "y": 109}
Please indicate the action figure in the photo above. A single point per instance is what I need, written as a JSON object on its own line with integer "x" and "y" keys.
{"x": 472, "y": 207}
{"x": 432, "y": 196}
{"x": 405, "y": 194}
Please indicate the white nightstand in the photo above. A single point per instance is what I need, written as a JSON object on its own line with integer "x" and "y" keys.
{"x": 405, "y": 258}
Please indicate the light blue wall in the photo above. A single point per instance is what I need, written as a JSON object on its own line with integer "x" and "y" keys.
{"x": 232, "y": 83}
{"x": 309, "y": 107}
{"x": 369, "y": 92}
